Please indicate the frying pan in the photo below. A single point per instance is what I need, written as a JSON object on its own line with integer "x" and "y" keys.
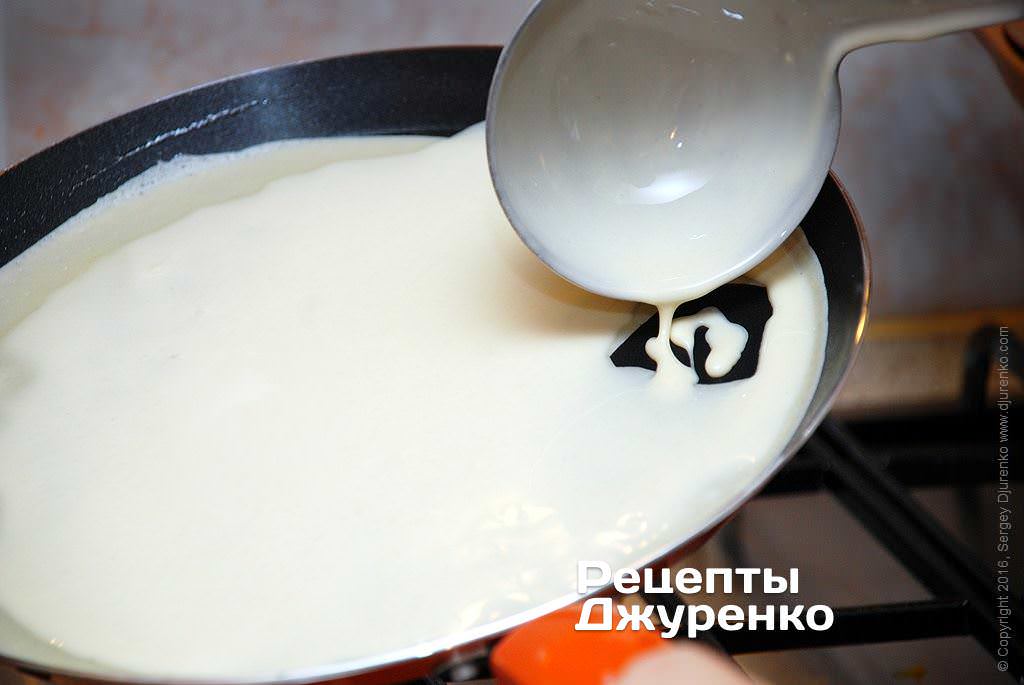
{"x": 425, "y": 91}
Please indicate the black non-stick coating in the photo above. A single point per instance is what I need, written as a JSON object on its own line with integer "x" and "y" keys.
{"x": 438, "y": 92}
{"x": 432, "y": 91}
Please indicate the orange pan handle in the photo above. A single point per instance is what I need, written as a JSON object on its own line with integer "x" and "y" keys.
{"x": 1006, "y": 45}
{"x": 550, "y": 651}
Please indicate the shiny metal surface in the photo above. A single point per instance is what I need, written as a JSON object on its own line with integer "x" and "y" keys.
{"x": 733, "y": 120}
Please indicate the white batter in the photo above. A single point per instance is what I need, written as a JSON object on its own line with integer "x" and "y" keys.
{"x": 347, "y": 414}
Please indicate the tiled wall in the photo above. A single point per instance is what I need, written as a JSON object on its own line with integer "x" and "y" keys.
{"x": 932, "y": 147}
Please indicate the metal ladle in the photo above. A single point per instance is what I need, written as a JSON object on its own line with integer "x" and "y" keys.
{"x": 652, "y": 150}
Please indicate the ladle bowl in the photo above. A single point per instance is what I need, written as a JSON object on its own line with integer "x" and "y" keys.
{"x": 653, "y": 150}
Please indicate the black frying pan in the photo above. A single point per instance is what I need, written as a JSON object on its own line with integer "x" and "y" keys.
{"x": 432, "y": 91}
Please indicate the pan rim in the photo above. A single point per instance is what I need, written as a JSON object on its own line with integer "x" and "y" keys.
{"x": 197, "y": 88}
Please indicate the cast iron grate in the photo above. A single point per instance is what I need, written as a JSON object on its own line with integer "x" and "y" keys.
{"x": 869, "y": 466}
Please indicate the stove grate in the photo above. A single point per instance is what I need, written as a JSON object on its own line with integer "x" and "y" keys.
{"x": 869, "y": 466}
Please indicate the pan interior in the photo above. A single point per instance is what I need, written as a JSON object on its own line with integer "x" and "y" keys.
{"x": 649, "y": 518}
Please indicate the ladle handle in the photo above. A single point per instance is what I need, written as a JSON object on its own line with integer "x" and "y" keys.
{"x": 857, "y": 23}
